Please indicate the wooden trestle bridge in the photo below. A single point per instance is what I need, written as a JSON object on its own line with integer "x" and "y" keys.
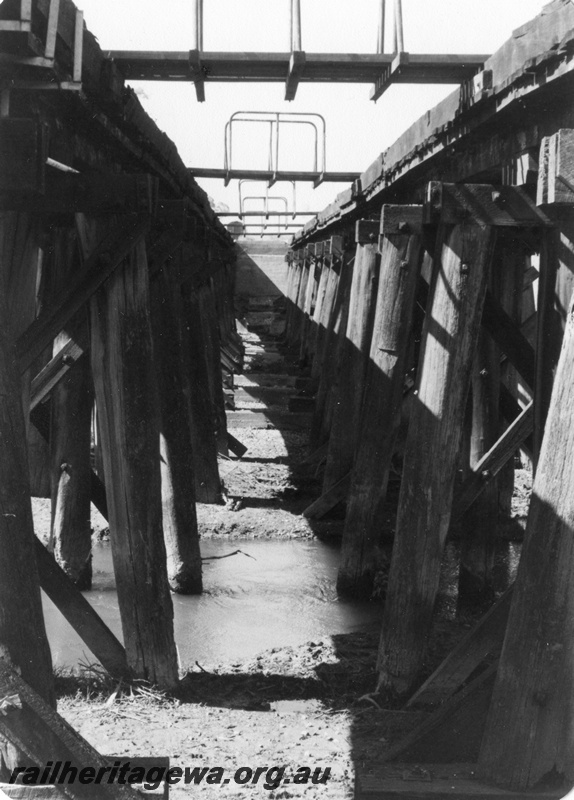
{"x": 412, "y": 291}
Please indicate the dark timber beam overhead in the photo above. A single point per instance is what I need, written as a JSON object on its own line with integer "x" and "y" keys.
{"x": 269, "y": 175}
{"x": 308, "y": 67}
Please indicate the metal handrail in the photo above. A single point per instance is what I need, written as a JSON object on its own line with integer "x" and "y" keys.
{"x": 266, "y": 196}
{"x": 295, "y": 25}
{"x": 275, "y": 119}
{"x": 265, "y": 212}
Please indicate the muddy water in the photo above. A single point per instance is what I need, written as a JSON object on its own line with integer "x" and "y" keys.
{"x": 283, "y": 595}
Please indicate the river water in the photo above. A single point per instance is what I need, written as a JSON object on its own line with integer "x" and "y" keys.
{"x": 283, "y": 595}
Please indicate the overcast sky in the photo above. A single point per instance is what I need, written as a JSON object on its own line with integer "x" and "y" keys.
{"x": 357, "y": 129}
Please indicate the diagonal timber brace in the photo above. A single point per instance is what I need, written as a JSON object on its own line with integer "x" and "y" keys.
{"x": 43, "y": 736}
{"x": 107, "y": 256}
{"x": 482, "y": 204}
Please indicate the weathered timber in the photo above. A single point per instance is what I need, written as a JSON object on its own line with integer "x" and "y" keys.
{"x": 235, "y": 446}
{"x": 483, "y": 641}
{"x": 298, "y": 317}
{"x": 40, "y": 418}
{"x": 72, "y": 604}
{"x": 177, "y": 467}
{"x": 428, "y": 781}
{"x": 381, "y": 410}
{"x": 23, "y": 153}
{"x": 70, "y": 435}
{"x": 204, "y": 444}
{"x": 485, "y": 204}
{"x": 453, "y": 732}
{"x": 333, "y": 253}
{"x": 492, "y": 462}
{"x": 213, "y": 357}
{"x": 311, "y": 255}
{"x": 128, "y": 409}
{"x": 549, "y": 332}
{"x": 20, "y": 256}
{"x": 23, "y": 640}
{"x": 316, "y": 326}
{"x": 59, "y": 365}
{"x": 308, "y": 342}
{"x": 38, "y": 450}
{"x": 555, "y": 180}
{"x": 556, "y": 165}
{"x": 317, "y": 456}
{"x": 40, "y": 733}
{"x": 329, "y": 499}
{"x": 529, "y": 732}
{"x": 352, "y": 366}
{"x": 69, "y": 193}
{"x": 479, "y": 527}
{"x": 109, "y": 254}
{"x": 507, "y": 335}
{"x": 276, "y": 67}
{"x": 463, "y": 256}
{"x": 512, "y": 270}
{"x": 292, "y": 292}
{"x": 331, "y": 347}
{"x": 399, "y": 219}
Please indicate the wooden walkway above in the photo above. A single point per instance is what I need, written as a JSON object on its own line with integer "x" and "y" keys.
{"x": 208, "y": 67}
{"x": 272, "y": 177}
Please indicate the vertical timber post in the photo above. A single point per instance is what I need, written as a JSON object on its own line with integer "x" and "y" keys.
{"x": 204, "y": 443}
{"x": 128, "y": 409}
{"x": 299, "y": 309}
{"x": 555, "y": 196}
{"x": 177, "y": 468}
{"x": 326, "y": 300}
{"x": 381, "y": 411}
{"x": 450, "y": 332}
{"x": 70, "y": 438}
{"x": 354, "y": 355}
{"x": 213, "y": 357}
{"x": 334, "y": 338}
{"x": 529, "y": 732}
{"x": 309, "y": 327}
{"x": 23, "y": 640}
{"x": 480, "y": 524}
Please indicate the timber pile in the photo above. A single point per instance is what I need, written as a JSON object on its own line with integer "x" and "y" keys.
{"x": 117, "y": 286}
{"x": 412, "y": 298}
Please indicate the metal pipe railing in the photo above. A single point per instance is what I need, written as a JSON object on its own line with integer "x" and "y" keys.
{"x": 381, "y": 39}
{"x": 275, "y": 120}
{"x": 266, "y": 197}
{"x": 296, "y": 39}
{"x": 197, "y": 25}
{"x": 399, "y": 33}
{"x": 398, "y": 42}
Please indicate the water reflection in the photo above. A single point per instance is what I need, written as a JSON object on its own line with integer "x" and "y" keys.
{"x": 286, "y": 596}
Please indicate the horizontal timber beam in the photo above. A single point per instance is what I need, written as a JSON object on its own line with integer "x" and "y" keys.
{"x": 275, "y": 67}
{"x": 101, "y": 193}
{"x": 270, "y": 175}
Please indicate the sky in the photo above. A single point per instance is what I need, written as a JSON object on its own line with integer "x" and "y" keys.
{"x": 357, "y": 129}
